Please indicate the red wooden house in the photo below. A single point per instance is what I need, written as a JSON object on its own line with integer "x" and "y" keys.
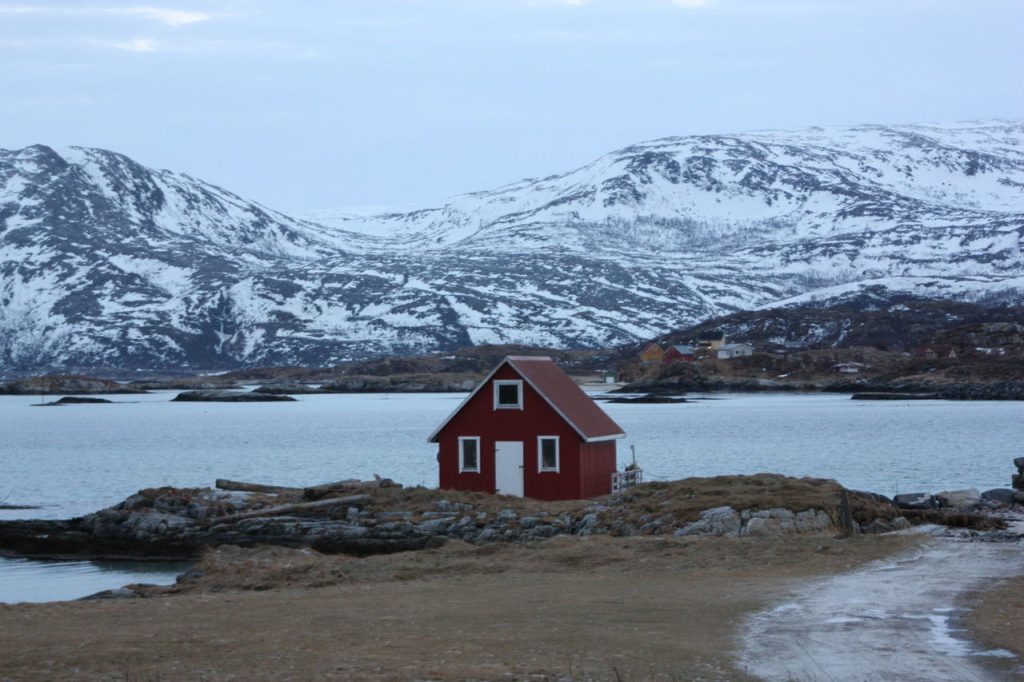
{"x": 528, "y": 429}
{"x": 679, "y": 354}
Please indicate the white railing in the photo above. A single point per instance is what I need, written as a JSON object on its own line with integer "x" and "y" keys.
{"x": 626, "y": 479}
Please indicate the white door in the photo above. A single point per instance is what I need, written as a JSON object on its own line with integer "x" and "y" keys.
{"x": 508, "y": 467}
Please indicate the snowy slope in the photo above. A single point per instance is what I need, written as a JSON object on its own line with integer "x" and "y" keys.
{"x": 106, "y": 262}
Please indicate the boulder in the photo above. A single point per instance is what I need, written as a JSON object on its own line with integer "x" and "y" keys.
{"x": 958, "y": 498}
{"x": 813, "y": 521}
{"x": 1018, "y": 481}
{"x": 1019, "y": 463}
{"x": 724, "y": 521}
{"x": 881, "y": 526}
{"x": 770, "y": 523}
{"x": 915, "y": 501}
{"x": 1001, "y": 495}
{"x": 1019, "y": 496}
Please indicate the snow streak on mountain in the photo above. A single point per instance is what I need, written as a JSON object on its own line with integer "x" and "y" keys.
{"x": 106, "y": 263}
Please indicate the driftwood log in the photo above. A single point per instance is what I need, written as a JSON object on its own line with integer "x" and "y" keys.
{"x": 225, "y": 484}
{"x": 277, "y": 510}
{"x": 347, "y": 486}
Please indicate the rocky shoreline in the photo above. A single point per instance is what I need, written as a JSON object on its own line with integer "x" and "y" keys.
{"x": 879, "y": 390}
{"x": 364, "y": 518}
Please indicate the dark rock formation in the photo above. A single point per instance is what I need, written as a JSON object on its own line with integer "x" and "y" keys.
{"x": 78, "y": 400}
{"x": 229, "y": 397}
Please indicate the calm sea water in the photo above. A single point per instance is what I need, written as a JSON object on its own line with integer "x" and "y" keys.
{"x": 75, "y": 459}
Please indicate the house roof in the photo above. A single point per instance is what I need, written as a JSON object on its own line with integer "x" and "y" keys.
{"x": 735, "y": 346}
{"x": 683, "y": 350}
{"x": 556, "y": 387}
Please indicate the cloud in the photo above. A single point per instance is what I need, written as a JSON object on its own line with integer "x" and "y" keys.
{"x": 168, "y": 16}
{"x": 171, "y": 17}
{"x": 135, "y": 45}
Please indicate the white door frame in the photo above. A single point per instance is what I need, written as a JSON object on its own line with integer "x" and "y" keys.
{"x": 509, "y": 472}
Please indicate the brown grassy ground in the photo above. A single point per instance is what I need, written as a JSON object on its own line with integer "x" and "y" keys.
{"x": 996, "y": 620}
{"x": 685, "y": 499}
{"x": 569, "y": 608}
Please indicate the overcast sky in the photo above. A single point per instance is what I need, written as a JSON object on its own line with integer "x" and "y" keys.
{"x": 319, "y": 104}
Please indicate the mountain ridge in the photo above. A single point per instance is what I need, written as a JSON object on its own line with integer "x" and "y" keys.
{"x": 106, "y": 262}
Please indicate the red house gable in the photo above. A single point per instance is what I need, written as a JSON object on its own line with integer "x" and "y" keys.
{"x": 528, "y": 429}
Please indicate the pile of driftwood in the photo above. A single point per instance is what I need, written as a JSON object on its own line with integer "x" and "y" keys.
{"x": 318, "y": 496}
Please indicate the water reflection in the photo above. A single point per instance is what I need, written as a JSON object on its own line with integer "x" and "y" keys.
{"x": 26, "y": 580}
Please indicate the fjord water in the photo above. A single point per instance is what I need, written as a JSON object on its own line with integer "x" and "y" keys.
{"x": 75, "y": 459}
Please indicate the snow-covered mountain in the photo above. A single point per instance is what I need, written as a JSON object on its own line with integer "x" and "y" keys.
{"x": 105, "y": 262}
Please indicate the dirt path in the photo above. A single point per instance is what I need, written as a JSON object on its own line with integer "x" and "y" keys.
{"x": 892, "y": 619}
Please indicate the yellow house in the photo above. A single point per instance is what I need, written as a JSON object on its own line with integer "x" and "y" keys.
{"x": 711, "y": 340}
{"x": 652, "y": 352}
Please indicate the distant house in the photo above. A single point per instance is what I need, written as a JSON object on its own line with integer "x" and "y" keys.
{"x": 848, "y": 367}
{"x": 712, "y": 340}
{"x": 609, "y": 376}
{"x": 734, "y": 350}
{"x": 935, "y": 350}
{"x": 528, "y": 429}
{"x": 652, "y": 352}
{"x": 679, "y": 354}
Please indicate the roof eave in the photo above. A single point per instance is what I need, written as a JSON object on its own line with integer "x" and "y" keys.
{"x": 601, "y": 439}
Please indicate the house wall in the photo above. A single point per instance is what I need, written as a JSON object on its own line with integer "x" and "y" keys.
{"x": 597, "y": 464}
{"x": 537, "y": 418}
{"x": 653, "y": 353}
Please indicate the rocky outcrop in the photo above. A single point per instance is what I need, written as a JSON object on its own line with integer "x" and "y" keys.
{"x": 398, "y": 384}
{"x": 82, "y": 385}
{"x": 372, "y": 517}
{"x": 229, "y": 397}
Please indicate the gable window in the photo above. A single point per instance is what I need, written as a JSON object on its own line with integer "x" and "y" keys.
{"x": 547, "y": 453}
{"x": 508, "y": 395}
{"x": 469, "y": 454}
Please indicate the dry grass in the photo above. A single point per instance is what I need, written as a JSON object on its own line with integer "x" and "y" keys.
{"x": 996, "y": 621}
{"x": 570, "y": 608}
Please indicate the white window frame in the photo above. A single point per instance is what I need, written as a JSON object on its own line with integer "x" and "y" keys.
{"x": 540, "y": 455}
{"x": 498, "y": 383}
{"x": 462, "y": 459}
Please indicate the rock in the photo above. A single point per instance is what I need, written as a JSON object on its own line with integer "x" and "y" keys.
{"x": 119, "y": 593}
{"x": 1001, "y": 495}
{"x": 507, "y": 516}
{"x": 1019, "y": 463}
{"x": 771, "y": 522}
{"x": 1018, "y": 481}
{"x": 435, "y": 525}
{"x": 1019, "y": 497}
{"x": 541, "y": 532}
{"x": 813, "y": 521}
{"x": 722, "y": 521}
{"x": 229, "y": 397}
{"x": 586, "y": 522}
{"x": 958, "y": 498}
{"x": 79, "y": 400}
{"x": 915, "y": 501}
{"x": 881, "y": 526}
{"x": 285, "y": 389}
{"x": 647, "y": 399}
{"x": 528, "y": 521}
